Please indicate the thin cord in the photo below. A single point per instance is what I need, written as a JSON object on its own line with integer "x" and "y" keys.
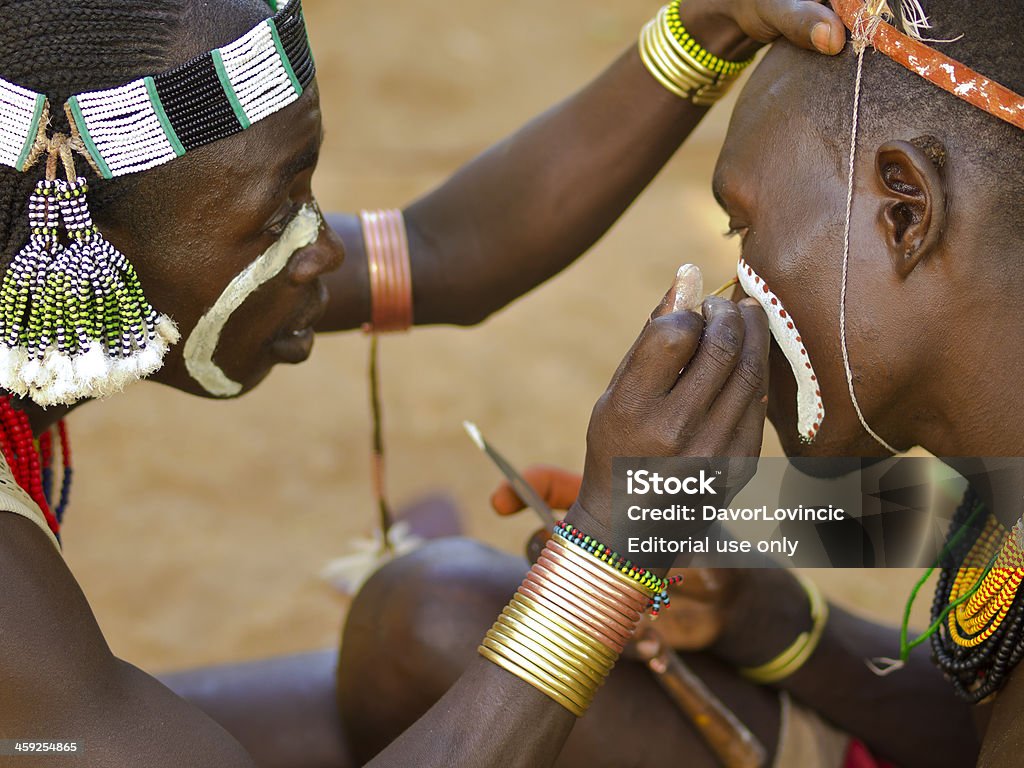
{"x": 846, "y": 252}
{"x": 377, "y": 456}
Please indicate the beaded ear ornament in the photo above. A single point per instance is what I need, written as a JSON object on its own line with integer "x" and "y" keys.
{"x": 74, "y": 321}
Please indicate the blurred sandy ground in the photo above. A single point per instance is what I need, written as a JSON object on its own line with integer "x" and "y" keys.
{"x": 198, "y": 528}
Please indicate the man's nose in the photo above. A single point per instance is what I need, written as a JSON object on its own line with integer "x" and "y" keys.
{"x": 323, "y": 256}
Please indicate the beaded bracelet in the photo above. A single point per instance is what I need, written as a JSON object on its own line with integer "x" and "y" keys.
{"x": 691, "y": 47}
{"x": 677, "y": 61}
{"x": 653, "y": 586}
{"x": 387, "y": 258}
{"x": 796, "y": 655}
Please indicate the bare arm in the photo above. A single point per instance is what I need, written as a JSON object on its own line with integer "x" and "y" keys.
{"x": 526, "y": 208}
{"x": 1004, "y": 737}
{"x": 61, "y": 682}
{"x": 488, "y": 718}
{"x": 898, "y": 716}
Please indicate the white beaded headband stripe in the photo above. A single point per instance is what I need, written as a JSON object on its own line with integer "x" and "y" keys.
{"x": 154, "y": 120}
{"x": 20, "y": 113}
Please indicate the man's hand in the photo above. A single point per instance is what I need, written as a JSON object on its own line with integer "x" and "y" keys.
{"x": 735, "y": 29}
{"x": 558, "y": 487}
{"x": 690, "y": 386}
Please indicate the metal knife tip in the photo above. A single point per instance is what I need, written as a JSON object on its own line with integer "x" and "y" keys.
{"x": 474, "y": 433}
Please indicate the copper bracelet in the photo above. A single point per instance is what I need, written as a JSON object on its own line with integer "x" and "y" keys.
{"x": 390, "y": 270}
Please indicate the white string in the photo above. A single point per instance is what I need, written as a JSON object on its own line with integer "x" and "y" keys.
{"x": 915, "y": 21}
{"x": 861, "y": 39}
{"x": 883, "y": 666}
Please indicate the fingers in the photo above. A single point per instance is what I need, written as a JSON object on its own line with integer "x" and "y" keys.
{"x": 506, "y": 501}
{"x": 749, "y": 433}
{"x": 749, "y": 378}
{"x": 807, "y": 24}
{"x": 557, "y": 487}
{"x": 714, "y": 362}
{"x": 663, "y": 349}
{"x": 684, "y": 295}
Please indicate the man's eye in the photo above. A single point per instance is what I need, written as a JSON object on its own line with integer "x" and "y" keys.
{"x": 280, "y": 224}
{"x": 740, "y": 232}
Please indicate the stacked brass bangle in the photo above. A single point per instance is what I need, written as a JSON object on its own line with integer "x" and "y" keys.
{"x": 797, "y": 654}
{"x": 567, "y": 624}
{"x": 387, "y": 257}
{"x": 680, "y": 64}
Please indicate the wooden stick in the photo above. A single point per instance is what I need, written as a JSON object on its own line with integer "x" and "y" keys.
{"x": 725, "y": 287}
{"x": 732, "y": 742}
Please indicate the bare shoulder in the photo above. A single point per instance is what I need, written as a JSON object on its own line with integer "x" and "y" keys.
{"x": 62, "y": 683}
{"x": 1004, "y": 739}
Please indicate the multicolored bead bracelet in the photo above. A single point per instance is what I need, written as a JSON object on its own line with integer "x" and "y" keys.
{"x": 653, "y": 586}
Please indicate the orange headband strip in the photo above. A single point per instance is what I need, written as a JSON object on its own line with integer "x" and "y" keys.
{"x": 950, "y": 75}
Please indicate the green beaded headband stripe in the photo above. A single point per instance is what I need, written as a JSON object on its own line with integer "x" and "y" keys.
{"x": 157, "y": 119}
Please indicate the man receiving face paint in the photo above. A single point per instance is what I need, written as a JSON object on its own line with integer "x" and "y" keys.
{"x": 874, "y": 196}
{"x": 156, "y": 162}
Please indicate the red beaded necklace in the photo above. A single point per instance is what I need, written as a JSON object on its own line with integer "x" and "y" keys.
{"x": 32, "y": 465}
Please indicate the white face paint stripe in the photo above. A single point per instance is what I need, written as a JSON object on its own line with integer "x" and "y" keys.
{"x": 303, "y": 230}
{"x": 810, "y": 409}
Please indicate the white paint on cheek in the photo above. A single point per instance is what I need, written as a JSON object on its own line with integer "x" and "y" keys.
{"x": 809, "y": 407}
{"x": 303, "y": 231}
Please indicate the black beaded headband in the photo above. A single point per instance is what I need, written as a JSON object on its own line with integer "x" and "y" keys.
{"x": 153, "y": 120}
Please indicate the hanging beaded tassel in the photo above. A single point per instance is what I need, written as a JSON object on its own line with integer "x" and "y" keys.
{"x": 113, "y": 334}
{"x": 23, "y": 288}
{"x": 74, "y": 321}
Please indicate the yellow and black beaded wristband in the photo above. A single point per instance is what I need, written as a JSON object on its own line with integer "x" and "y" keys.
{"x": 680, "y": 64}
{"x": 700, "y": 55}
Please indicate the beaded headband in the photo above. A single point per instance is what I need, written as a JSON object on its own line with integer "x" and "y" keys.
{"x": 74, "y": 321}
{"x": 153, "y": 120}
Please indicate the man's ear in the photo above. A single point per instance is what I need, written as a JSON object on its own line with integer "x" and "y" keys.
{"x": 914, "y": 202}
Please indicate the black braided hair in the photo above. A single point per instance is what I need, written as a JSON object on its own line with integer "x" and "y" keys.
{"x": 63, "y": 47}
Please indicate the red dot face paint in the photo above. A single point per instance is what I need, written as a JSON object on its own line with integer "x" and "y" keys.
{"x": 810, "y": 409}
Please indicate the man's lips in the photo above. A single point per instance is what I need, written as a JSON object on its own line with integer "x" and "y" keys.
{"x": 295, "y": 343}
{"x": 313, "y": 313}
